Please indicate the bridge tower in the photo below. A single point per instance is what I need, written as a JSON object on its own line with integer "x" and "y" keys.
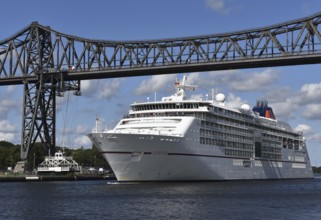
{"x": 39, "y": 99}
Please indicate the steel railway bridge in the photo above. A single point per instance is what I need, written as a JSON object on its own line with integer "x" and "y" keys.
{"x": 48, "y": 63}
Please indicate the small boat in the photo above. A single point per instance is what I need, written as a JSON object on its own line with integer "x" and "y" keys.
{"x": 58, "y": 164}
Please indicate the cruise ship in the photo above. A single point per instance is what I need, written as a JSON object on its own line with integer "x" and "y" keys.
{"x": 195, "y": 139}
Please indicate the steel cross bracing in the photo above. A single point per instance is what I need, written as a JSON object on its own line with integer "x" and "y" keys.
{"x": 48, "y": 62}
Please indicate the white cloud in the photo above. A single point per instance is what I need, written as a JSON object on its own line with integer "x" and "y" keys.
{"x": 236, "y": 80}
{"x": 82, "y": 141}
{"x": 312, "y": 111}
{"x": 8, "y": 104}
{"x": 309, "y": 93}
{"x": 309, "y": 133}
{"x": 278, "y": 95}
{"x": 10, "y": 137}
{"x": 316, "y": 137}
{"x": 304, "y": 128}
{"x": 62, "y": 101}
{"x": 100, "y": 88}
{"x": 81, "y": 129}
{"x": 74, "y": 137}
{"x": 7, "y": 131}
{"x": 234, "y": 101}
{"x": 287, "y": 103}
{"x": 155, "y": 83}
{"x": 313, "y": 90}
{"x": 218, "y": 6}
{"x": 109, "y": 89}
{"x": 284, "y": 110}
{"x": 11, "y": 89}
{"x": 253, "y": 80}
{"x": 5, "y": 126}
{"x": 89, "y": 87}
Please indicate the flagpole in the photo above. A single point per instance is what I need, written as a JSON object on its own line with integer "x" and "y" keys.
{"x": 97, "y": 124}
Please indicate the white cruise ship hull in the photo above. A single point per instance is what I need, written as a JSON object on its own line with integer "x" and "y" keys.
{"x": 135, "y": 157}
{"x": 179, "y": 139}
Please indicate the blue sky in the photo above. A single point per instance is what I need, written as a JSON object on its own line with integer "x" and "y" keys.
{"x": 294, "y": 92}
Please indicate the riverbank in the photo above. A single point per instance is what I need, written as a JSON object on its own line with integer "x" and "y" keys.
{"x": 34, "y": 178}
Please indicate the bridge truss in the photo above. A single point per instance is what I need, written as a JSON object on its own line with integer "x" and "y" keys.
{"x": 49, "y": 63}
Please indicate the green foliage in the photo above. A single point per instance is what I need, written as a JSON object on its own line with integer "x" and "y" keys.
{"x": 89, "y": 158}
{"x": 6, "y": 144}
{"x": 316, "y": 169}
{"x": 9, "y": 155}
{"x": 37, "y": 154}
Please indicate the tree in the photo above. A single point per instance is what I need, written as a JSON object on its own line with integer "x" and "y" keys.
{"x": 89, "y": 158}
{"x": 9, "y": 155}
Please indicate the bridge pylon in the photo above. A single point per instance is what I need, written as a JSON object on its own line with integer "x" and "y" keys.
{"x": 39, "y": 102}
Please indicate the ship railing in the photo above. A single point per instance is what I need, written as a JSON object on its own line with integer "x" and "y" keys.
{"x": 57, "y": 169}
{"x": 54, "y": 164}
{"x": 153, "y": 121}
{"x": 230, "y": 123}
{"x": 244, "y": 132}
{"x": 62, "y": 158}
{"x": 223, "y": 136}
{"x": 234, "y": 140}
{"x": 279, "y": 125}
{"x": 97, "y": 130}
{"x": 242, "y": 129}
{"x": 148, "y": 132}
{"x": 154, "y": 114}
{"x": 288, "y": 131}
{"x": 47, "y": 168}
{"x": 284, "y": 135}
{"x": 239, "y": 117}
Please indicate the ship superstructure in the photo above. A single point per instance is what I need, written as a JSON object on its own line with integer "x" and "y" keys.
{"x": 195, "y": 139}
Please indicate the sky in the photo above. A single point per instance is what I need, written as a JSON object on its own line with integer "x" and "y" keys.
{"x": 294, "y": 92}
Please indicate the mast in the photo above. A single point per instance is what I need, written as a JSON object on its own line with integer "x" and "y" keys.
{"x": 97, "y": 119}
{"x": 181, "y": 87}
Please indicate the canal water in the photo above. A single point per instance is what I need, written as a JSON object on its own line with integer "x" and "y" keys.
{"x": 102, "y": 199}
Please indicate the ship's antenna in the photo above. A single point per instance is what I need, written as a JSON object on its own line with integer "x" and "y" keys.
{"x": 213, "y": 94}
{"x": 97, "y": 119}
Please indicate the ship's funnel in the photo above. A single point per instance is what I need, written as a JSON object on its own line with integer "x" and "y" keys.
{"x": 263, "y": 109}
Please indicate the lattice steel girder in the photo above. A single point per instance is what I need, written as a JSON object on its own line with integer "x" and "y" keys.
{"x": 39, "y": 103}
{"x": 39, "y": 110}
{"x": 286, "y": 41}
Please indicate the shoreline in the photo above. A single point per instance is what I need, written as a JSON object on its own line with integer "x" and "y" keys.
{"x": 53, "y": 178}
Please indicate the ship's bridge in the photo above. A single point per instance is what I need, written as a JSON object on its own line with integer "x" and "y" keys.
{"x": 169, "y": 105}
{"x": 170, "y": 108}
